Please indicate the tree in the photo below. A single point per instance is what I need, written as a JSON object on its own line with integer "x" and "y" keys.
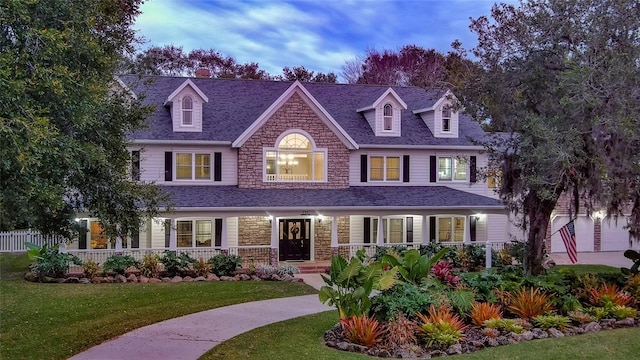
{"x": 300, "y": 73}
{"x": 561, "y": 79}
{"x": 65, "y": 118}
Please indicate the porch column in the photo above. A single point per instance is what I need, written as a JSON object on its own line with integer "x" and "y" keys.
{"x": 467, "y": 229}
{"x": 224, "y": 242}
{"x": 334, "y": 236}
{"x": 118, "y": 241}
{"x": 380, "y": 232}
{"x": 273, "y": 255}
{"x": 425, "y": 232}
{"x": 173, "y": 236}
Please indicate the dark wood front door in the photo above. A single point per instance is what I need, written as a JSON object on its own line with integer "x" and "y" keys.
{"x": 295, "y": 239}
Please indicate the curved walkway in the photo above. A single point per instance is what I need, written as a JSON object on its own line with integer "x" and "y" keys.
{"x": 189, "y": 337}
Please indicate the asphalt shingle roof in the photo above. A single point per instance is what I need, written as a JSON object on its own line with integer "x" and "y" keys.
{"x": 427, "y": 197}
{"x": 235, "y": 104}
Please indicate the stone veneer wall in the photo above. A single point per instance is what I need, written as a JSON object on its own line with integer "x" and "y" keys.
{"x": 322, "y": 243}
{"x": 254, "y": 230}
{"x": 294, "y": 114}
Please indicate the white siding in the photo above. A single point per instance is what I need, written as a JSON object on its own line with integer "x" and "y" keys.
{"x": 497, "y": 228}
{"x": 429, "y": 120}
{"x": 176, "y": 111}
{"x": 584, "y": 233}
{"x": 152, "y": 164}
{"x": 232, "y": 231}
{"x": 157, "y": 233}
{"x": 356, "y": 228}
{"x": 370, "y": 116}
{"x": 379, "y": 118}
{"x": 481, "y": 229}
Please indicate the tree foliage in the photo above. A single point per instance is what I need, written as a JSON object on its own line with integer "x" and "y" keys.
{"x": 300, "y": 73}
{"x": 561, "y": 79}
{"x": 64, "y": 117}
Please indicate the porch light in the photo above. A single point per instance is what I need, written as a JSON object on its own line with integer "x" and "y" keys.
{"x": 479, "y": 216}
{"x": 599, "y": 215}
{"x": 270, "y": 217}
{"x": 320, "y": 217}
{"x": 77, "y": 219}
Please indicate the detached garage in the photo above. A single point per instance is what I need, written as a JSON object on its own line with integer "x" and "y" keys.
{"x": 584, "y": 233}
{"x": 614, "y": 236}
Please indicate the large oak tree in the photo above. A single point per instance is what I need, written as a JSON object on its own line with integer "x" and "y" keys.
{"x": 65, "y": 117}
{"x": 561, "y": 80}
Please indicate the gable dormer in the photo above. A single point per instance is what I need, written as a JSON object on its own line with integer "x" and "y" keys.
{"x": 186, "y": 105}
{"x": 441, "y": 118}
{"x": 384, "y": 114}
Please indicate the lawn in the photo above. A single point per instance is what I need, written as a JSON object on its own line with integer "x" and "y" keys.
{"x": 55, "y": 321}
{"x": 301, "y": 338}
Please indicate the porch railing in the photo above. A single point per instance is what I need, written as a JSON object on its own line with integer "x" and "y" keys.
{"x": 13, "y": 241}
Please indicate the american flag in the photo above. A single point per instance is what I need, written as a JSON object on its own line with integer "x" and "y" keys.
{"x": 568, "y": 235}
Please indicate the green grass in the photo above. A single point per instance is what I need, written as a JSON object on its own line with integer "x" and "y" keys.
{"x": 55, "y": 321}
{"x": 301, "y": 338}
{"x": 584, "y": 269}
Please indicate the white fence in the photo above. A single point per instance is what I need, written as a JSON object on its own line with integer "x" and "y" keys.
{"x": 13, "y": 241}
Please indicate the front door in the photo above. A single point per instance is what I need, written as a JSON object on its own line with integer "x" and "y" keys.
{"x": 295, "y": 239}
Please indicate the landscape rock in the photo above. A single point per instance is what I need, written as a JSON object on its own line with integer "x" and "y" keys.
{"x": 154, "y": 280}
{"x": 212, "y": 277}
{"x": 525, "y": 336}
{"x": 454, "y": 349}
{"x": 132, "y": 278}
{"x": 200, "y": 278}
{"x": 244, "y": 277}
{"x": 539, "y": 334}
{"x": 120, "y": 279}
{"x": 187, "y": 279}
{"x": 625, "y": 322}
{"x": 109, "y": 279}
{"x": 227, "y": 278}
{"x": 176, "y": 279}
{"x": 607, "y": 323}
{"x": 553, "y": 332}
{"x": 166, "y": 279}
{"x": 29, "y": 276}
{"x": 143, "y": 279}
{"x": 255, "y": 278}
{"x": 84, "y": 281}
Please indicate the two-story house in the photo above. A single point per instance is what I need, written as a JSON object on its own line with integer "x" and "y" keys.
{"x": 274, "y": 170}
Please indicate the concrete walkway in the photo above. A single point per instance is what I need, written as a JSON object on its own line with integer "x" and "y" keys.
{"x": 611, "y": 258}
{"x": 190, "y": 336}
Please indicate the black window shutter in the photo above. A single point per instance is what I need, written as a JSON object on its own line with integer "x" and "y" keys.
{"x": 409, "y": 229}
{"x": 364, "y": 173}
{"x": 367, "y": 230}
{"x": 472, "y": 228}
{"x": 433, "y": 169}
{"x": 432, "y": 229}
{"x": 217, "y": 166}
{"x": 218, "y": 238}
{"x": 405, "y": 168}
{"x": 168, "y": 166}
{"x": 135, "y": 165}
{"x": 472, "y": 169}
{"x": 82, "y": 234}
{"x": 167, "y": 233}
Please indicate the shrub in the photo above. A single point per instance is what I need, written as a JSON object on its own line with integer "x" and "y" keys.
{"x": 48, "y": 261}
{"x": 265, "y": 271}
{"x": 622, "y": 312}
{"x": 507, "y": 325}
{"x": 90, "y": 269}
{"x": 440, "y": 328}
{"x": 150, "y": 266}
{"x": 480, "y": 312}
{"x": 412, "y": 266}
{"x": 442, "y": 271}
{"x": 461, "y": 300}
{"x": 609, "y": 294}
{"x": 598, "y": 312}
{"x": 119, "y": 263}
{"x": 362, "y": 330}
{"x": 528, "y": 303}
{"x": 287, "y": 269}
{"x": 201, "y": 268}
{"x": 401, "y": 300}
{"x": 401, "y": 332}
{"x": 634, "y": 256}
{"x": 225, "y": 264}
{"x": 177, "y": 264}
{"x": 581, "y": 317}
{"x": 547, "y": 322}
{"x": 632, "y": 287}
{"x": 484, "y": 284}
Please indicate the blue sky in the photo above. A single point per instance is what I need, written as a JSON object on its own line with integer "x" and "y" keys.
{"x": 320, "y": 35}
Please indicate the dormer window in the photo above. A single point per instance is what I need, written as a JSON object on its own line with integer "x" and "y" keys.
{"x": 187, "y": 111}
{"x": 388, "y": 117}
{"x": 446, "y": 119}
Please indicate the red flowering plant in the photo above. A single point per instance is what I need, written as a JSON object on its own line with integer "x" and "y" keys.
{"x": 442, "y": 271}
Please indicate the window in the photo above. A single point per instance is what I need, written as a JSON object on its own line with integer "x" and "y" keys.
{"x": 393, "y": 229}
{"x": 451, "y": 229}
{"x": 187, "y": 111}
{"x": 193, "y": 166}
{"x": 494, "y": 178}
{"x": 384, "y": 168}
{"x": 186, "y": 237}
{"x": 295, "y": 159}
{"x": 135, "y": 165}
{"x": 446, "y": 119}
{"x": 455, "y": 169}
{"x": 388, "y": 117}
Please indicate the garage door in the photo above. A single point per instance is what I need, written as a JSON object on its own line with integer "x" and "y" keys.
{"x": 584, "y": 233}
{"x": 614, "y": 237}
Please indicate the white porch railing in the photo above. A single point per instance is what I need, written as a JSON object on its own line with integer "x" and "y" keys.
{"x": 287, "y": 177}
{"x": 13, "y": 241}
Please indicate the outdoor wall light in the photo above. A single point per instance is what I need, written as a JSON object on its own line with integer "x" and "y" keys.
{"x": 599, "y": 215}
{"x": 320, "y": 217}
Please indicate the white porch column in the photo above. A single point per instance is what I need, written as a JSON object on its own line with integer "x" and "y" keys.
{"x": 118, "y": 241}
{"x": 467, "y": 229}
{"x": 173, "y": 236}
{"x": 224, "y": 242}
{"x": 425, "y": 232}
{"x": 275, "y": 242}
{"x": 380, "y": 232}
{"x": 487, "y": 254}
{"x": 334, "y": 235}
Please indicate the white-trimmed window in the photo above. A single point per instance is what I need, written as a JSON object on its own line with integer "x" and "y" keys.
{"x": 395, "y": 230}
{"x": 384, "y": 168}
{"x": 453, "y": 169}
{"x": 193, "y": 166}
{"x": 187, "y": 111}
{"x": 387, "y": 117}
{"x": 446, "y": 119}
{"x": 295, "y": 159}
{"x": 451, "y": 228}
{"x": 194, "y": 233}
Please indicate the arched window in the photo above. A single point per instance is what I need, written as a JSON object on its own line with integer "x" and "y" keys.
{"x": 388, "y": 117}
{"x": 187, "y": 110}
{"x": 295, "y": 158}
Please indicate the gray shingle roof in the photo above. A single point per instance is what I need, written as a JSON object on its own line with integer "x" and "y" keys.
{"x": 235, "y": 104}
{"x": 428, "y": 197}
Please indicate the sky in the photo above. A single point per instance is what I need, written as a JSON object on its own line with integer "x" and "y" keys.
{"x": 319, "y": 35}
